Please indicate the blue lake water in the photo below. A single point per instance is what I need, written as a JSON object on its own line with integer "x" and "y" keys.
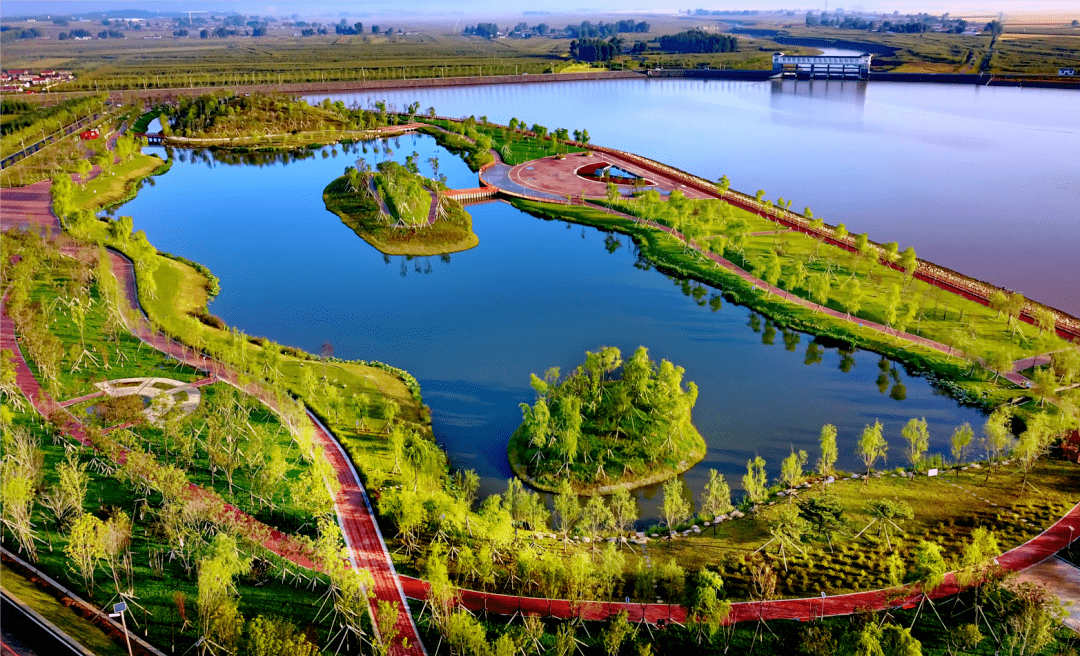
{"x": 534, "y": 294}
{"x": 984, "y": 180}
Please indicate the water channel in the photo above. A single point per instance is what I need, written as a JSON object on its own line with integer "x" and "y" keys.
{"x": 534, "y": 294}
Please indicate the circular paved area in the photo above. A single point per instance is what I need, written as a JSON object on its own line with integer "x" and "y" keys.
{"x": 559, "y": 176}
{"x": 169, "y": 391}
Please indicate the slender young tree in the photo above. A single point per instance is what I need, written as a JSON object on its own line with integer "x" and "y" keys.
{"x": 755, "y": 480}
{"x": 676, "y": 508}
{"x": 917, "y": 436}
{"x": 791, "y": 469}
{"x": 872, "y": 446}
{"x": 960, "y": 442}
{"x": 716, "y": 497}
{"x": 829, "y": 452}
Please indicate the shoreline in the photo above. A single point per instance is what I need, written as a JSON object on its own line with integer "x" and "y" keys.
{"x": 304, "y": 88}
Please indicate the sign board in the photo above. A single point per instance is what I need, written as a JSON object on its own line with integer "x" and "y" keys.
{"x": 120, "y": 607}
{"x": 931, "y": 472}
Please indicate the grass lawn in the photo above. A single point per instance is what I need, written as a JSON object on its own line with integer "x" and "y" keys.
{"x": 969, "y": 326}
{"x": 946, "y": 509}
{"x": 109, "y": 188}
{"x": 449, "y": 234}
{"x": 81, "y": 630}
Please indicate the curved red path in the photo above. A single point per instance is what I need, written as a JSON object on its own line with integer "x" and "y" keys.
{"x": 1030, "y": 553}
{"x": 355, "y": 515}
{"x": 369, "y": 550}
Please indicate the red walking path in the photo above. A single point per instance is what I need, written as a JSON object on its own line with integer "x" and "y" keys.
{"x": 355, "y": 515}
{"x": 357, "y": 519}
{"x": 368, "y": 550}
{"x": 1030, "y": 553}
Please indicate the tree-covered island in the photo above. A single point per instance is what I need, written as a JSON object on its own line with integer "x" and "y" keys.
{"x": 400, "y": 212}
{"x": 598, "y": 432}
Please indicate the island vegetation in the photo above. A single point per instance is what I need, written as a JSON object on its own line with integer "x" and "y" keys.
{"x": 400, "y": 212}
{"x": 270, "y": 121}
{"x": 802, "y": 535}
{"x": 596, "y": 432}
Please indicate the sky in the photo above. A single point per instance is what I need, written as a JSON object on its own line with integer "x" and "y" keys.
{"x": 491, "y": 8}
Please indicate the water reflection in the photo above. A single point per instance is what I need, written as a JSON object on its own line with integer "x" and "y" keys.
{"x": 899, "y": 146}
{"x": 534, "y": 294}
{"x": 851, "y": 92}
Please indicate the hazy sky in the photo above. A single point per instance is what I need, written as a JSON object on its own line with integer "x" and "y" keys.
{"x": 490, "y": 8}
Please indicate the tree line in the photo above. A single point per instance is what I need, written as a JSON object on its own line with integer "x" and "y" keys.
{"x": 698, "y": 41}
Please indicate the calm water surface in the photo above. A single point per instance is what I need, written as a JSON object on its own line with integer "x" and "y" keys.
{"x": 534, "y": 294}
{"x": 984, "y": 180}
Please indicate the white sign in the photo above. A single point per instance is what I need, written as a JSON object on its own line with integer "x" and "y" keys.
{"x": 931, "y": 472}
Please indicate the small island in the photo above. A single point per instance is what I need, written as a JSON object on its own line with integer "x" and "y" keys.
{"x": 601, "y": 433}
{"x": 400, "y": 212}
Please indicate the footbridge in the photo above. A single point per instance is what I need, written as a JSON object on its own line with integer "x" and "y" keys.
{"x": 821, "y": 66}
{"x": 471, "y": 195}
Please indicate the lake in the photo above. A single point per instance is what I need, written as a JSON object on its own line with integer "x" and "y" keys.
{"x": 984, "y": 180}
{"x": 534, "y": 294}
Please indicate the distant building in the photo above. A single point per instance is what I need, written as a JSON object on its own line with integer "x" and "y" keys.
{"x": 1066, "y": 71}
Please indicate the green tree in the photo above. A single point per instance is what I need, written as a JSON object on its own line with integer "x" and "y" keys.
{"x": 917, "y": 436}
{"x": 928, "y": 571}
{"x": 86, "y": 547}
{"x": 853, "y": 297}
{"x": 676, "y": 508}
{"x": 819, "y": 288}
{"x": 797, "y": 277}
{"x": 270, "y": 636}
{"x": 595, "y": 517}
{"x": 708, "y": 610}
{"x": 616, "y": 633}
{"x": 872, "y": 447}
{"x": 829, "y": 452}
{"x": 824, "y": 513}
{"x": 567, "y": 508}
{"x": 960, "y": 443}
{"x": 755, "y": 481}
{"x": 1034, "y": 442}
{"x": 791, "y": 469}
{"x": 997, "y": 434}
{"x": 218, "y": 612}
{"x": 716, "y": 497}
{"x": 624, "y": 510}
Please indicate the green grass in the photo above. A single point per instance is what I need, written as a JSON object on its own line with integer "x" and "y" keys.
{"x": 943, "y": 514}
{"x": 523, "y": 147}
{"x": 118, "y": 185}
{"x": 83, "y": 631}
{"x": 155, "y": 615}
{"x": 127, "y": 356}
{"x": 359, "y": 211}
{"x": 945, "y": 317}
